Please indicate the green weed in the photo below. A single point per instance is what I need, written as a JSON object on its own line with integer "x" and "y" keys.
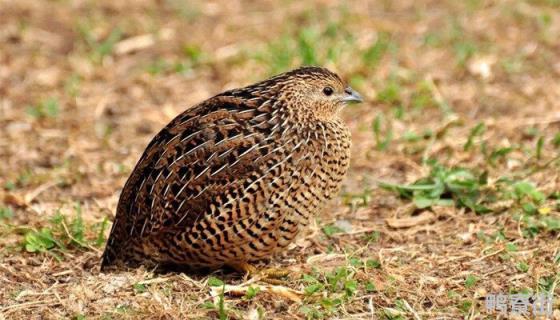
{"x": 72, "y": 85}
{"x": 458, "y": 187}
{"x": 357, "y": 200}
{"x": 251, "y": 292}
{"x": 48, "y": 108}
{"x": 470, "y": 281}
{"x": 522, "y": 267}
{"x": 391, "y": 93}
{"x": 6, "y": 213}
{"x": 477, "y": 131}
{"x": 62, "y": 234}
{"x": 373, "y": 55}
{"x": 327, "y": 292}
{"x": 99, "y": 49}
{"x": 330, "y": 230}
{"x": 215, "y": 282}
{"x": 379, "y": 125}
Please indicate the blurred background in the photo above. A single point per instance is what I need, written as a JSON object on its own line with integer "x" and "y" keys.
{"x": 84, "y": 86}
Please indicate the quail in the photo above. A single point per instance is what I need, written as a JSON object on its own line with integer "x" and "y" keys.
{"x": 235, "y": 178}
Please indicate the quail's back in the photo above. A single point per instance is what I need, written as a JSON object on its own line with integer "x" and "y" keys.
{"x": 235, "y": 178}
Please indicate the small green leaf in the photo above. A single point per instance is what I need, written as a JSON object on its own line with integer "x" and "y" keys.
{"x": 48, "y": 108}
{"x": 355, "y": 262}
{"x": 10, "y": 185}
{"x": 51, "y": 107}
{"x": 410, "y": 136}
{"x": 522, "y": 266}
{"x": 373, "y": 263}
{"x": 309, "y": 278}
{"x": 423, "y": 202}
{"x": 251, "y": 292}
{"x": 312, "y": 288}
{"x": 546, "y": 283}
{"x": 311, "y": 312}
{"x": 350, "y": 286}
{"x": 529, "y": 208}
{"x": 105, "y": 47}
{"x": 139, "y": 288}
{"x": 451, "y": 294}
{"x": 444, "y": 202}
{"x": 499, "y": 154}
{"x": 330, "y": 230}
{"x": 540, "y": 144}
{"x": 372, "y": 236}
{"x": 551, "y": 223}
{"x": 77, "y": 228}
{"x": 307, "y": 49}
{"x": 222, "y": 305}
{"x": 511, "y": 247}
{"x": 370, "y": 287}
{"x": 100, "y": 239}
{"x": 381, "y": 141}
{"x": 465, "y": 306}
{"x": 6, "y": 213}
{"x": 470, "y": 281}
{"x": 39, "y": 241}
{"x": 557, "y": 259}
{"x": 475, "y": 132}
{"x": 373, "y": 54}
{"x": 215, "y": 282}
{"x": 193, "y": 52}
{"x": 556, "y": 140}
{"x": 391, "y": 94}
{"x": 208, "y": 305}
{"x": 527, "y": 189}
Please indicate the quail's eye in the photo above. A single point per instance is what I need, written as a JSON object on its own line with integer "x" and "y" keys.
{"x": 328, "y": 91}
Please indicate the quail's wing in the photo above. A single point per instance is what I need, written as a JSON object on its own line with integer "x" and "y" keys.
{"x": 192, "y": 165}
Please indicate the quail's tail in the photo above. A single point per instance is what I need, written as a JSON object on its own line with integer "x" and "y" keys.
{"x": 116, "y": 249}
{"x": 110, "y": 255}
{"x": 117, "y": 257}
{"x": 120, "y": 252}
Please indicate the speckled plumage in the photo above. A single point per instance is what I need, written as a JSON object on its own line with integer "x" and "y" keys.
{"x": 235, "y": 178}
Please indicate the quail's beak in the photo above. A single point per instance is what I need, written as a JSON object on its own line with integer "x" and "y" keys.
{"x": 351, "y": 96}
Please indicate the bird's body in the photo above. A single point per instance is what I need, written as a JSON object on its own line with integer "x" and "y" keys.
{"x": 235, "y": 178}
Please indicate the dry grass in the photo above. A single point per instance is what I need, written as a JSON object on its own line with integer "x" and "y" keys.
{"x": 84, "y": 85}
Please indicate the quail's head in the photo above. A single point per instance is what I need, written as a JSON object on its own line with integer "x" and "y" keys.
{"x": 311, "y": 93}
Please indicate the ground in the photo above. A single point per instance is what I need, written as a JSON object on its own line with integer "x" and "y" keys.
{"x": 452, "y": 198}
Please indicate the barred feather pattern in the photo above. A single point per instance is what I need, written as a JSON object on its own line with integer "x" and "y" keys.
{"x": 231, "y": 180}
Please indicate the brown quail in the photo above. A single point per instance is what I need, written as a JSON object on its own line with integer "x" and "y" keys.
{"x": 235, "y": 178}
